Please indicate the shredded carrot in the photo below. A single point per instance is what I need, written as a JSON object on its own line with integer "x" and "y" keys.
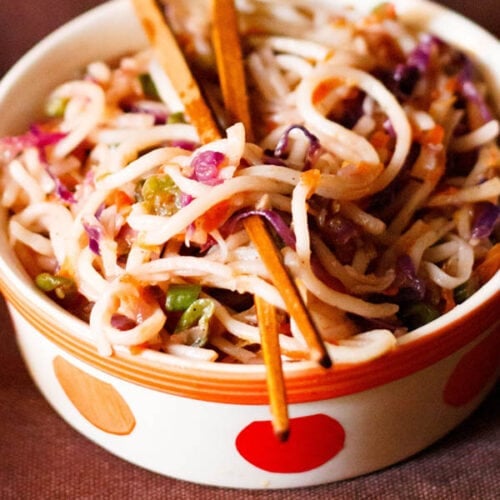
{"x": 380, "y": 139}
{"x": 215, "y": 216}
{"x": 433, "y": 136}
{"x": 391, "y": 291}
{"x": 490, "y": 265}
{"x": 383, "y": 11}
{"x": 449, "y": 299}
{"x": 330, "y": 54}
{"x": 338, "y": 22}
{"x": 360, "y": 169}
{"x": 137, "y": 349}
{"x": 452, "y": 84}
{"x": 474, "y": 114}
{"x": 69, "y": 181}
{"x": 311, "y": 179}
{"x": 269, "y": 126}
{"x": 119, "y": 198}
{"x": 324, "y": 88}
{"x": 446, "y": 191}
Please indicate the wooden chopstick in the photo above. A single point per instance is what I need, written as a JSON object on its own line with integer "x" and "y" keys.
{"x": 232, "y": 79}
{"x": 227, "y": 47}
{"x": 268, "y": 327}
{"x": 273, "y": 261}
{"x": 173, "y": 62}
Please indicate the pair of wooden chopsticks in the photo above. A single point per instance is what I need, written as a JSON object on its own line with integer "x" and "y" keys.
{"x": 227, "y": 48}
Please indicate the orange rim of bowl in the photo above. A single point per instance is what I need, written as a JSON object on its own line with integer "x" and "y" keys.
{"x": 243, "y": 384}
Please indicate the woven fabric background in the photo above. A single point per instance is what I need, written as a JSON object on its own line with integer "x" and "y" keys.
{"x": 42, "y": 457}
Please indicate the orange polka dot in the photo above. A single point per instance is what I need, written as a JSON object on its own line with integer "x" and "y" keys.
{"x": 97, "y": 401}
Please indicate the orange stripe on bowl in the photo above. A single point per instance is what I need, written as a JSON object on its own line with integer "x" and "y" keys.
{"x": 308, "y": 384}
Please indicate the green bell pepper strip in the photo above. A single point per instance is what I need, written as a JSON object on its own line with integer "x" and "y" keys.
{"x": 177, "y": 117}
{"x": 60, "y": 285}
{"x": 200, "y": 311}
{"x": 417, "y": 314}
{"x": 465, "y": 290}
{"x": 180, "y": 297}
{"x": 56, "y": 106}
{"x": 160, "y": 195}
{"x": 148, "y": 86}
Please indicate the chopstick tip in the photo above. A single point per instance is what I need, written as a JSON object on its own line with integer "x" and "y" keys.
{"x": 282, "y": 434}
{"x": 325, "y": 360}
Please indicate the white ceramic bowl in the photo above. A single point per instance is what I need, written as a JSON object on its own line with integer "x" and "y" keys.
{"x": 210, "y": 423}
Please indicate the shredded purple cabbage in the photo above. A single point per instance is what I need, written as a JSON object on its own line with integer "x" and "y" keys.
{"x": 185, "y": 199}
{"x": 275, "y": 219}
{"x": 421, "y": 55}
{"x": 206, "y": 167}
{"x": 35, "y": 137}
{"x": 94, "y": 233}
{"x": 152, "y": 108}
{"x": 122, "y": 322}
{"x": 337, "y": 230}
{"x": 406, "y": 75}
{"x": 389, "y": 128}
{"x": 470, "y": 92}
{"x": 99, "y": 211}
{"x": 38, "y": 138}
{"x": 281, "y": 147}
{"x": 269, "y": 159}
{"x": 187, "y": 145}
{"x": 62, "y": 191}
{"x": 411, "y": 287}
{"x": 42, "y": 138}
{"x": 486, "y": 216}
{"x": 353, "y": 110}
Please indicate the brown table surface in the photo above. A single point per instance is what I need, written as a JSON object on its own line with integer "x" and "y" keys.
{"x": 42, "y": 457}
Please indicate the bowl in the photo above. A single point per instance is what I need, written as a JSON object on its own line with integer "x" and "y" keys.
{"x": 210, "y": 423}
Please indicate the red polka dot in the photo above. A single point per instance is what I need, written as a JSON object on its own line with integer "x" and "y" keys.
{"x": 313, "y": 441}
{"x": 473, "y": 372}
